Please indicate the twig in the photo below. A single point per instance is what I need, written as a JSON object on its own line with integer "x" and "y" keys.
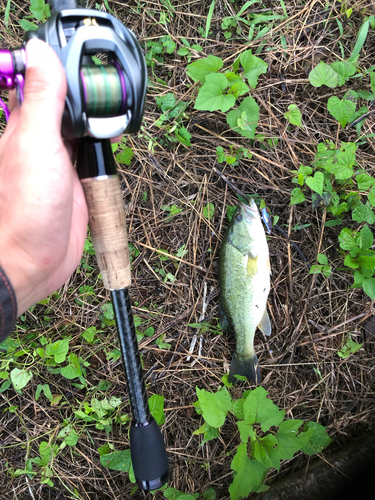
{"x": 366, "y": 115}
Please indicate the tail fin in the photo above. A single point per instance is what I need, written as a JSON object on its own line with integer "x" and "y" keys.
{"x": 247, "y": 367}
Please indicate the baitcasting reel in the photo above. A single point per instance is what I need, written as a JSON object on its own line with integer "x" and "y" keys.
{"x": 103, "y": 101}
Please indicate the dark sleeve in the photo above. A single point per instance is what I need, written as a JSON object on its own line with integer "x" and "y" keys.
{"x": 8, "y": 307}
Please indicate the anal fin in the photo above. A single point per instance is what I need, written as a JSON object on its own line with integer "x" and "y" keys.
{"x": 265, "y": 324}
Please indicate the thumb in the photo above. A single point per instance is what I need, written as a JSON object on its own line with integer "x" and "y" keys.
{"x": 45, "y": 89}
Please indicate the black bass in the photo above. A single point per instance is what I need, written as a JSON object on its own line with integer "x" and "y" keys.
{"x": 244, "y": 277}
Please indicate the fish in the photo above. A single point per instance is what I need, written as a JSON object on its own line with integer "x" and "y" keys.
{"x": 244, "y": 278}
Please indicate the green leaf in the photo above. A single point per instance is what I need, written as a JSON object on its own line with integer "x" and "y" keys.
{"x": 296, "y": 196}
{"x": 47, "y": 453}
{"x": 350, "y": 347}
{"x": 208, "y": 432}
{"x": 209, "y": 18}
{"x": 58, "y": 350}
{"x": 316, "y": 183}
{"x": 230, "y": 212}
{"x": 209, "y": 210}
{"x": 253, "y": 67}
{"x": 344, "y": 69}
{"x": 198, "y": 70}
{"x": 362, "y": 34}
{"x": 117, "y": 460}
{"x": 318, "y": 441}
{"x": 293, "y": 115}
{"x": 73, "y": 370}
{"x": 166, "y": 102}
{"x": 323, "y": 74}
{"x": 371, "y": 197}
{"x": 363, "y": 213}
{"x": 259, "y": 409}
{"x": 183, "y": 51}
{"x": 366, "y": 238}
{"x": 214, "y": 406}
{"x": 173, "y": 494}
{"x": 263, "y": 450}
{"x": 39, "y": 10}
{"x": 47, "y": 392}
{"x": 351, "y": 262}
{"x": 27, "y": 25}
{"x": 20, "y": 378}
{"x": 342, "y": 110}
{"x": 322, "y": 259}
{"x": 211, "y": 96}
{"x": 249, "y": 474}
{"x": 125, "y": 157}
{"x": 156, "y": 405}
{"x": 237, "y": 121}
{"x": 288, "y": 439}
{"x": 369, "y": 287}
{"x": 183, "y": 135}
{"x": 315, "y": 269}
{"x": 364, "y": 181}
{"x": 372, "y": 84}
{"x": 246, "y": 431}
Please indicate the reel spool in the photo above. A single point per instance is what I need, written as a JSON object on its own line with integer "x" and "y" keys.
{"x": 104, "y": 90}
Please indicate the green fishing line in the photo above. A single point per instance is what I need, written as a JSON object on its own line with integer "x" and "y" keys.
{"x": 103, "y": 92}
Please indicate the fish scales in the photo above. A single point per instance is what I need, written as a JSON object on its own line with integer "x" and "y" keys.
{"x": 244, "y": 275}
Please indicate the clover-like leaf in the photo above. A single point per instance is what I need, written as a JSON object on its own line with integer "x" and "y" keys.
{"x": 296, "y": 196}
{"x": 341, "y": 109}
{"x": 316, "y": 183}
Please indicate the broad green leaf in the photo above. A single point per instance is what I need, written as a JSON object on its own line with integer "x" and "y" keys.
{"x": 351, "y": 262}
{"x": 363, "y": 213}
{"x": 371, "y": 197}
{"x": 366, "y": 259}
{"x": 364, "y": 181}
{"x": 350, "y": 347}
{"x": 208, "y": 432}
{"x": 344, "y": 69}
{"x": 372, "y": 84}
{"x": 156, "y": 404}
{"x": 253, "y": 67}
{"x": 89, "y": 334}
{"x": 209, "y": 494}
{"x": 263, "y": 450}
{"x": 125, "y": 157}
{"x": 183, "y": 51}
{"x": 318, "y": 441}
{"x": 246, "y": 431}
{"x": 238, "y": 88}
{"x": 323, "y": 74}
{"x": 198, "y": 70}
{"x": 211, "y": 96}
{"x": 259, "y": 409}
{"x": 183, "y": 135}
{"x": 117, "y": 460}
{"x": 47, "y": 453}
{"x": 342, "y": 110}
{"x": 315, "y": 269}
{"x": 173, "y": 494}
{"x": 214, "y": 406}
{"x": 347, "y": 242}
{"x": 27, "y": 25}
{"x": 322, "y": 259}
{"x": 316, "y": 183}
{"x": 363, "y": 94}
{"x": 209, "y": 210}
{"x": 296, "y": 196}
{"x": 358, "y": 279}
{"x": 249, "y": 474}
{"x": 20, "y": 378}
{"x": 72, "y": 438}
{"x": 293, "y": 115}
{"x": 58, "y": 350}
{"x": 365, "y": 238}
{"x": 166, "y": 102}
{"x": 369, "y": 287}
{"x": 73, "y": 370}
{"x": 288, "y": 439}
{"x": 235, "y": 118}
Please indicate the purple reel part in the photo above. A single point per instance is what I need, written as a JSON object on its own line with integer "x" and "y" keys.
{"x": 12, "y": 65}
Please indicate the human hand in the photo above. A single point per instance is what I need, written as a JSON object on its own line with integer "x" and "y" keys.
{"x": 43, "y": 212}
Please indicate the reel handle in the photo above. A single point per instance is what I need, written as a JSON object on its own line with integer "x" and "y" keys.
{"x": 97, "y": 170}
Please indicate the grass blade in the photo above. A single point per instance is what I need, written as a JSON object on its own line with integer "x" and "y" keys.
{"x": 362, "y": 35}
{"x": 209, "y": 18}
{"x": 7, "y": 12}
{"x": 246, "y": 6}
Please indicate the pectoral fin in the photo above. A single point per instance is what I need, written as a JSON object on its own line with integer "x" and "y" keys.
{"x": 265, "y": 324}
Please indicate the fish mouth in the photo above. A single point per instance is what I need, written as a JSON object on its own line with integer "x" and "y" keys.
{"x": 249, "y": 211}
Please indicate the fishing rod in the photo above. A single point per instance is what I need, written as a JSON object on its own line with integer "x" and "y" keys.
{"x": 103, "y": 102}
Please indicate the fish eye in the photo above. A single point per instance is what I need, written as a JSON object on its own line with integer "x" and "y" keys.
{"x": 239, "y": 217}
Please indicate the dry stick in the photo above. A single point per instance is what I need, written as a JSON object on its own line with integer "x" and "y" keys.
{"x": 289, "y": 254}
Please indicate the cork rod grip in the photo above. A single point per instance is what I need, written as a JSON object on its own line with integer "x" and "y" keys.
{"x": 108, "y": 230}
